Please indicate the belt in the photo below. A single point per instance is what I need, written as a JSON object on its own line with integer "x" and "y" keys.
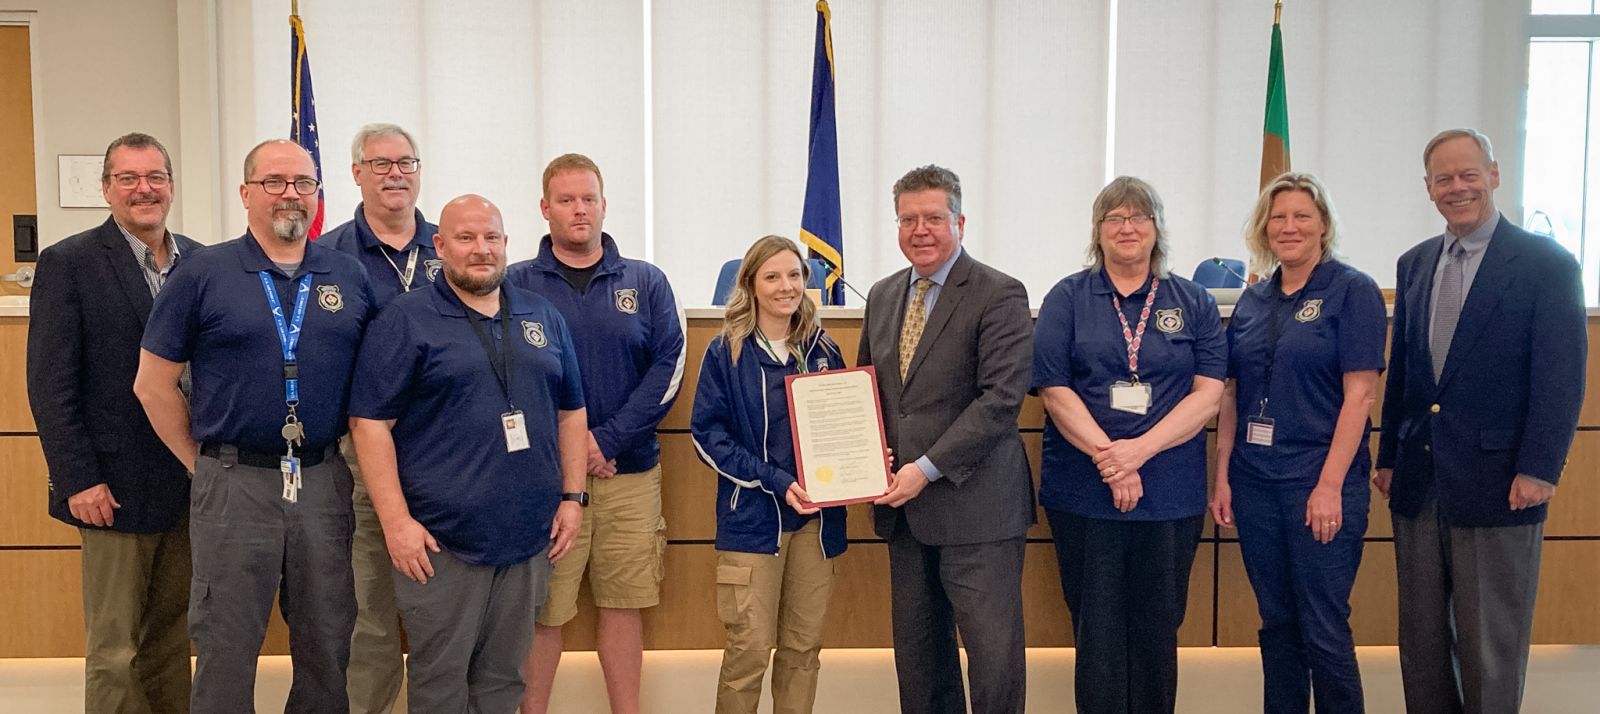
{"x": 261, "y": 460}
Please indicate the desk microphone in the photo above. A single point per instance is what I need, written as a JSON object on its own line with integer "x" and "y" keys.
{"x": 831, "y": 268}
{"x": 1224, "y": 265}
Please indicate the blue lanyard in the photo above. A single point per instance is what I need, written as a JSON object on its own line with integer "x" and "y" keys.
{"x": 288, "y": 333}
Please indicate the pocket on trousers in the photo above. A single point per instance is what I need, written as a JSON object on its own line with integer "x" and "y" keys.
{"x": 733, "y": 593}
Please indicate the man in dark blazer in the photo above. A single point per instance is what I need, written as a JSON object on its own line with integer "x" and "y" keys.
{"x": 1486, "y": 378}
{"x": 110, "y": 476}
{"x": 952, "y": 339}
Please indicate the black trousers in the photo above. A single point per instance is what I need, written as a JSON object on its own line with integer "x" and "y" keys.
{"x": 1127, "y": 586}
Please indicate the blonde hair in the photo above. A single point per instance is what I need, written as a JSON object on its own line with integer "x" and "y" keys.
{"x": 571, "y": 162}
{"x": 1262, "y": 261}
{"x": 1139, "y": 195}
{"x": 739, "y": 319}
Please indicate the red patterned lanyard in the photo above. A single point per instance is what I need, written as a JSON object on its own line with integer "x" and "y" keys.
{"x": 1135, "y": 337}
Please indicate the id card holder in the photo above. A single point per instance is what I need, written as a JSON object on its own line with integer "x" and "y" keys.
{"x": 1258, "y": 431}
{"x": 289, "y": 466}
{"x": 1133, "y": 398}
{"x": 516, "y": 428}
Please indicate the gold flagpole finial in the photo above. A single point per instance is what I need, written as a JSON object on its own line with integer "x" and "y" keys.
{"x": 1277, "y": 12}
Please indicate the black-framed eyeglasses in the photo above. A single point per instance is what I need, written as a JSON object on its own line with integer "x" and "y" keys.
{"x": 381, "y": 167}
{"x": 276, "y": 186}
{"x": 156, "y": 179}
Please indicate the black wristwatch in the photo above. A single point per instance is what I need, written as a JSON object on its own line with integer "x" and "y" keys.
{"x": 582, "y": 497}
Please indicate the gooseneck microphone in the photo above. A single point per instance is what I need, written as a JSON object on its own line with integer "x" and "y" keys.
{"x": 1224, "y": 265}
{"x": 840, "y": 275}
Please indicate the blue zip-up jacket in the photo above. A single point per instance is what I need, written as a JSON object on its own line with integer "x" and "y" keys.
{"x": 741, "y": 430}
{"x": 629, "y": 336}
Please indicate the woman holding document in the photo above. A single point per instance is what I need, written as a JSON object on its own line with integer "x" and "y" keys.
{"x": 1129, "y": 361}
{"x": 1305, "y": 349}
{"x": 774, "y": 554}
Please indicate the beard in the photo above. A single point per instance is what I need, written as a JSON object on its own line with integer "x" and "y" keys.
{"x": 292, "y": 227}
{"x": 476, "y": 286}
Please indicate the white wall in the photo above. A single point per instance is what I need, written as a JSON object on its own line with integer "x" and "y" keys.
{"x": 696, "y": 111}
{"x": 102, "y": 68}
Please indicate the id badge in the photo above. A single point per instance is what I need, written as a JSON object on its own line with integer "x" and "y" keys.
{"x": 289, "y": 466}
{"x": 516, "y": 429}
{"x": 1131, "y": 398}
{"x": 1258, "y": 431}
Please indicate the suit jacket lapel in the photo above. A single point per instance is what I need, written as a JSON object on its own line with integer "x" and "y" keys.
{"x": 1420, "y": 294}
{"x": 949, "y": 295}
{"x": 888, "y": 337}
{"x": 1488, "y": 286}
{"x": 127, "y": 270}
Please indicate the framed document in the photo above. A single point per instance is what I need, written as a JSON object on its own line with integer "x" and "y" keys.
{"x": 838, "y": 435}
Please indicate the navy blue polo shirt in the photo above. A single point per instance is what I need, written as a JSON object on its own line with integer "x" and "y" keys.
{"x": 630, "y": 341}
{"x": 214, "y": 314}
{"x": 1078, "y": 344}
{"x": 385, "y": 265}
{"x": 1333, "y": 325}
{"x": 424, "y": 366}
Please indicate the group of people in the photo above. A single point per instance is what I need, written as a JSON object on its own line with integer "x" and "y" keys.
{"x": 502, "y": 444}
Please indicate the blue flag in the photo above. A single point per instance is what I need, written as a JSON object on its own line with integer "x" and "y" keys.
{"x": 304, "y": 110}
{"x": 821, "y": 229}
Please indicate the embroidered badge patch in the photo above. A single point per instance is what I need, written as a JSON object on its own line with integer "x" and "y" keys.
{"x": 328, "y": 298}
{"x": 533, "y": 332}
{"x": 431, "y": 268}
{"x": 1169, "y": 320}
{"x": 628, "y": 301}
{"x": 1309, "y": 310}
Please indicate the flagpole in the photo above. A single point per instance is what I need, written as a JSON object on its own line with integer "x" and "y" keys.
{"x": 294, "y": 7}
{"x": 1277, "y": 11}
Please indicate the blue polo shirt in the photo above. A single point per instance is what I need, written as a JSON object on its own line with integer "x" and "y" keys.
{"x": 423, "y": 366}
{"x": 1078, "y": 344}
{"x": 629, "y": 336}
{"x": 385, "y": 265}
{"x": 214, "y": 314}
{"x": 1333, "y": 325}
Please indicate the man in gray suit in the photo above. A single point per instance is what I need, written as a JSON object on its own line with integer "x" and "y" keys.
{"x": 952, "y": 338}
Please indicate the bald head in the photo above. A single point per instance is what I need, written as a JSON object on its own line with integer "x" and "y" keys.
{"x": 472, "y": 244}
{"x": 274, "y": 148}
{"x": 275, "y": 172}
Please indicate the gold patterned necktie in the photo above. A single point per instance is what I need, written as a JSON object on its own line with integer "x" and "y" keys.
{"x": 911, "y": 328}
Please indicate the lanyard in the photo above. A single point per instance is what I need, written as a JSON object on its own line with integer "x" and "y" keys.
{"x": 762, "y": 336}
{"x": 411, "y": 266}
{"x": 503, "y": 367}
{"x": 1135, "y": 338}
{"x": 1275, "y": 320}
{"x": 288, "y": 333}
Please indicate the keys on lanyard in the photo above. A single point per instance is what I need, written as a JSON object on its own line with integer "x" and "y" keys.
{"x": 293, "y": 432}
{"x": 1133, "y": 397}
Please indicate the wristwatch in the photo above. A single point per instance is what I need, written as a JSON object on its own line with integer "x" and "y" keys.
{"x": 582, "y": 497}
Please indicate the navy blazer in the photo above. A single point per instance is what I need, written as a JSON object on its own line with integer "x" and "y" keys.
{"x": 1507, "y": 401}
{"x": 87, "y": 315}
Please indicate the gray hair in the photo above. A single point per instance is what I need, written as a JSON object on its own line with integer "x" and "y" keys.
{"x": 133, "y": 140}
{"x": 927, "y": 178}
{"x": 1139, "y": 195}
{"x": 375, "y": 130}
{"x": 1447, "y": 135}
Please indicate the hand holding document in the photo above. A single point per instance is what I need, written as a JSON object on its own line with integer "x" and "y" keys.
{"x": 838, "y": 435}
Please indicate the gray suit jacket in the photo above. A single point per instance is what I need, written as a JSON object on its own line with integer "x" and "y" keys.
{"x": 958, "y": 404}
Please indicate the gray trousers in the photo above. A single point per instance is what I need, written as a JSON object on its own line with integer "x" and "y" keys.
{"x": 942, "y": 590}
{"x": 469, "y": 629}
{"x": 1466, "y": 612}
{"x": 376, "y": 668}
{"x": 249, "y": 546}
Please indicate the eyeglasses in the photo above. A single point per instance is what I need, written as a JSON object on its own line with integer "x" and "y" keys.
{"x": 407, "y": 165}
{"x": 1139, "y": 220}
{"x": 156, "y": 179}
{"x": 933, "y": 222}
{"x": 276, "y": 186}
